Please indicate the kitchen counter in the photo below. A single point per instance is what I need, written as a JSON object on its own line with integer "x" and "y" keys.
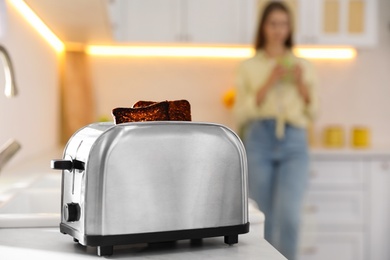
{"x": 49, "y": 243}
{"x": 320, "y": 152}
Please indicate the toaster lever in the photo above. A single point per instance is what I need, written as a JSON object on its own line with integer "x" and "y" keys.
{"x": 67, "y": 165}
{"x": 62, "y": 164}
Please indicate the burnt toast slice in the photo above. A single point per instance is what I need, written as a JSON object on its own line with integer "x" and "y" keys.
{"x": 154, "y": 112}
{"x": 179, "y": 110}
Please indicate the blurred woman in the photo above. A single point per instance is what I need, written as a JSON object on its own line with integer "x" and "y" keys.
{"x": 275, "y": 103}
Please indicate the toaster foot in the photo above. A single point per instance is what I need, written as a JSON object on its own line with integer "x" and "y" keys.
{"x": 231, "y": 239}
{"x": 75, "y": 240}
{"x": 105, "y": 250}
{"x": 196, "y": 241}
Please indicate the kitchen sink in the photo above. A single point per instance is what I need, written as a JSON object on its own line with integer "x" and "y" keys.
{"x": 34, "y": 205}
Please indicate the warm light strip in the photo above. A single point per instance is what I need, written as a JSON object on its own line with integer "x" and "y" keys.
{"x": 38, "y": 24}
{"x": 214, "y": 52}
{"x": 170, "y": 51}
{"x": 326, "y": 53}
{"x": 174, "y": 51}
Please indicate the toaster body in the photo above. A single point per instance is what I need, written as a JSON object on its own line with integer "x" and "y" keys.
{"x": 153, "y": 181}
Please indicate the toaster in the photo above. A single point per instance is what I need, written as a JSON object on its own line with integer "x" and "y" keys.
{"x": 147, "y": 182}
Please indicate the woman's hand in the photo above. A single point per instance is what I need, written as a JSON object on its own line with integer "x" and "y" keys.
{"x": 277, "y": 73}
{"x": 301, "y": 87}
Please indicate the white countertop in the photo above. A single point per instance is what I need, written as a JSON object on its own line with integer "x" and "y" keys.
{"x": 49, "y": 243}
{"x": 370, "y": 152}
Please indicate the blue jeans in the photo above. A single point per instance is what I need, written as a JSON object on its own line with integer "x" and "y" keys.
{"x": 278, "y": 173}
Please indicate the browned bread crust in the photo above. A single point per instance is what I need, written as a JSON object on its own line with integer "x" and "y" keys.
{"x": 154, "y": 112}
{"x": 179, "y": 110}
{"x": 142, "y": 103}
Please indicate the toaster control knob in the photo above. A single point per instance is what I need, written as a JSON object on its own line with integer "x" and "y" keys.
{"x": 72, "y": 212}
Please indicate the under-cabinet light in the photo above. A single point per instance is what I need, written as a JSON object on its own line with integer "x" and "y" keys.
{"x": 170, "y": 51}
{"x": 214, "y": 52}
{"x": 341, "y": 53}
{"x": 38, "y": 24}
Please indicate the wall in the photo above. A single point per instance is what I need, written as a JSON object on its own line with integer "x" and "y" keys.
{"x": 32, "y": 116}
{"x": 352, "y": 93}
{"x": 123, "y": 81}
{"x": 356, "y": 92}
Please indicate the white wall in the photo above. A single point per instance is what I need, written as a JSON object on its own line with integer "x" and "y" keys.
{"x": 352, "y": 93}
{"x": 123, "y": 81}
{"x": 31, "y": 117}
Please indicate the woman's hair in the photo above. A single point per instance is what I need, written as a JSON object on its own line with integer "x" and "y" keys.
{"x": 260, "y": 36}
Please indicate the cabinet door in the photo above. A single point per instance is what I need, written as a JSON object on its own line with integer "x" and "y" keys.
{"x": 335, "y": 246}
{"x": 344, "y": 22}
{"x": 337, "y": 174}
{"x": 146, "y": 20}
{"x": 338, "y": 210}
{"x": 214, "y": 21}
{"x": 380, "y": 209}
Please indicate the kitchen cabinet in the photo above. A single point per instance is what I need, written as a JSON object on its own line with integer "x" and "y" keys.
{"x": 146, "y": 20}
{"x": 343, "y": 22}
{"x": 181, "y": 21}
{"x": 379, "y": 231}
{"x": 347, "y": 206}
{"x": 213, "y": 21}
{"x": 336, "y": 246}
{"x": 333, "y": 22}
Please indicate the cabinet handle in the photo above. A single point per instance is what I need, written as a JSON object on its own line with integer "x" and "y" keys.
{"x": 385, "y": 166}
{"x": 309, "y": 250}
{"x": 179, "y": 37}
{"x": 311, "y": 209}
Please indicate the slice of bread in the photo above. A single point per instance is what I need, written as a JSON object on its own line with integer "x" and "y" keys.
{"x": 142, "y": 103}
{"x": 178, "y": 110}
{"x": 154, "y": 112}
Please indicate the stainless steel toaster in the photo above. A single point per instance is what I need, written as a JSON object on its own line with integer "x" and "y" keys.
{"x": 150, "y": 182}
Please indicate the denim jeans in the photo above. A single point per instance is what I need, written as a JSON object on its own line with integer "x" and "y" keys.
{"x": 278, "y": 173}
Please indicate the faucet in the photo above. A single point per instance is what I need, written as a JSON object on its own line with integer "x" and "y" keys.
{"x": 8, "y": 150}
{"x": 10, "y": 82}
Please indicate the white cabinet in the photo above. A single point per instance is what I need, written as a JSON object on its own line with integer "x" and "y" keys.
{"x": 337, "y": 204}
{"x": 333, "y": 22}
{"x": 335, "y": 246}
{"x": 337, "y": 173}
{"x": 338, "y": 210}
{"x": 347, "y": 207}
{"x": 188, "y": 21}
{"x": 340, "y": 22}
{"x": 146, "y": 20}
{"x": 210, "y": 21}
{"x": 380, "y": 209}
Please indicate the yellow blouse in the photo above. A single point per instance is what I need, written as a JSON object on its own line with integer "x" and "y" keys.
{"x": 282, "y": 102}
